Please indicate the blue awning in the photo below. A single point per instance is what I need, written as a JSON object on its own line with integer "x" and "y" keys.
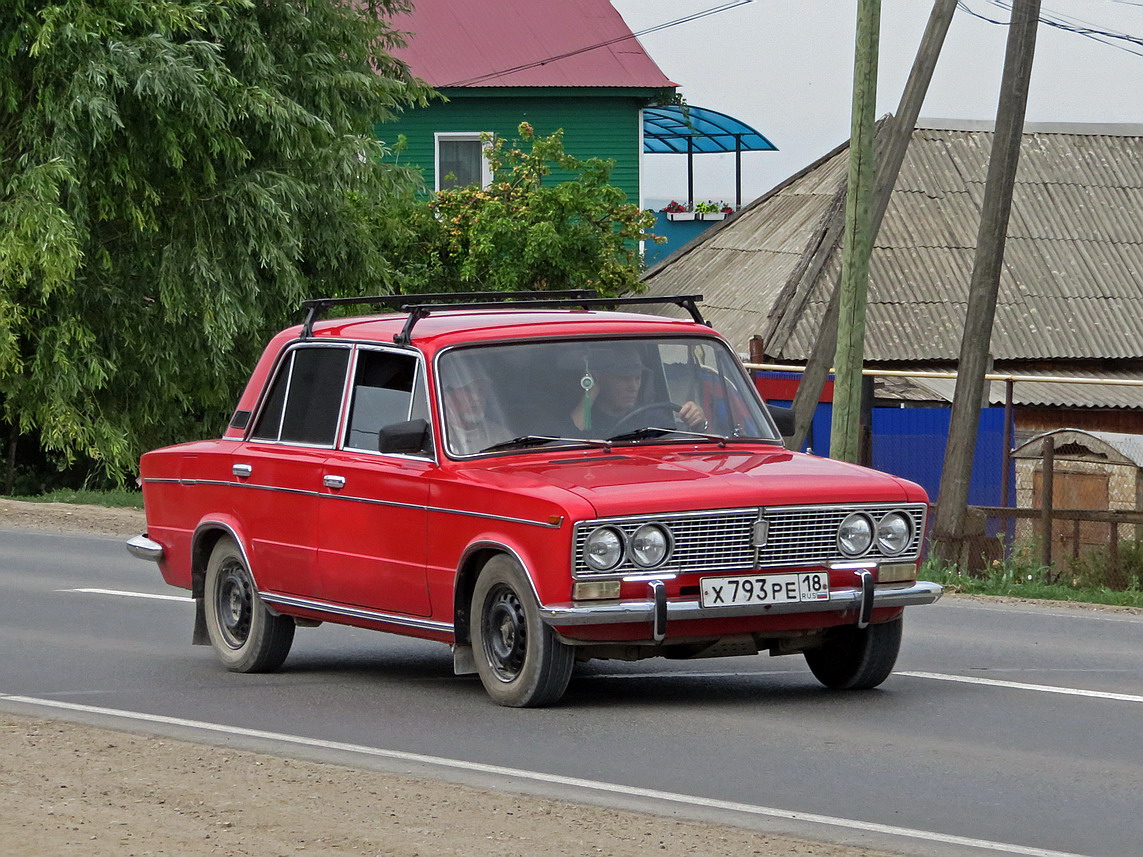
{"x": 679, "y": 130}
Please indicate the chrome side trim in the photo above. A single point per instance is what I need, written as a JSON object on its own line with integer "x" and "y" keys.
{"x": 351, "y": 499}
{"x": 616, "y": 612}
{"x": 144, "y": 548}
{"x": 355, "y": 612}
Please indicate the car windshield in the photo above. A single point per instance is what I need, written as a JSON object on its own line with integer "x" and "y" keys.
{"x": 532, "y": 394}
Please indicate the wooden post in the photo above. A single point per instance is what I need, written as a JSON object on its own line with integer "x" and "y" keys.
{"x": 1006, "y": 475}
{"x": 1047, "y": 487}
{"x": 996, "y": 208}
{"x": 892, "y": 155}
{"x": 845, "y": 430}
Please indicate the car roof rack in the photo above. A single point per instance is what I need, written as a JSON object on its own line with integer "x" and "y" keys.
{"x": 419, "y": 306}
{"x": 316, "y": 307}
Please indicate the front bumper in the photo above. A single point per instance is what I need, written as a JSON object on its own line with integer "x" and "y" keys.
{"x": 658, "y": 610}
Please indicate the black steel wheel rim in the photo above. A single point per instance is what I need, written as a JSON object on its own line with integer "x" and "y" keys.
{"x": 234, "y": 604}
{"x": 505, "y": 633}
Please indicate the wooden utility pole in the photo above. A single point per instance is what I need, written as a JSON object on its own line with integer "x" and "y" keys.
{"x": 981, "y": 311}
{"x": 845, "y": 437}
{"x": 890, "y": 157}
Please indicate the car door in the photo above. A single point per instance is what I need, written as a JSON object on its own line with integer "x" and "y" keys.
{"x": 279, "y": 467}
{"x": 372, "y": 521}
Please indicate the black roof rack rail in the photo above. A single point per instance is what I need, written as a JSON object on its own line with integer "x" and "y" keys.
{"x": 422, "y": 305}
{"x": 316, "y": 307}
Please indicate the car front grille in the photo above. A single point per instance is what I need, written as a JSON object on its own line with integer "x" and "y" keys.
{"x": 716, "y": 541}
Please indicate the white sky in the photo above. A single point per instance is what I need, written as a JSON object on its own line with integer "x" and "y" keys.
{"x": 785, "y": 67}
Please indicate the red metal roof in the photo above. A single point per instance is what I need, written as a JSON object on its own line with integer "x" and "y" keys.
{"x": 495, "y": 43}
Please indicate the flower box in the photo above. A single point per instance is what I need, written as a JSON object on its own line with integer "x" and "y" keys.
{"x": 680, "y": 215}
{"x": 712, "y": 215}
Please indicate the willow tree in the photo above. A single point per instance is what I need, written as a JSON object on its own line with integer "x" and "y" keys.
{"x": 175, "y": 176}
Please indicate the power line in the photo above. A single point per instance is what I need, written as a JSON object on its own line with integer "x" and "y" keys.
{"x": 1111, "y": 38}
{"x": 664, "y": 26}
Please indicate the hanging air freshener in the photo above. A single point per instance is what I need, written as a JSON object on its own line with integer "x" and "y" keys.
{"x": 587, "y": 382}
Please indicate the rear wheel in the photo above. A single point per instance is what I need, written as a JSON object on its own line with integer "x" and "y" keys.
{"x": 520, "y": 661}
{"x": 245, "y": 635}
{"x": 857, "y": 658}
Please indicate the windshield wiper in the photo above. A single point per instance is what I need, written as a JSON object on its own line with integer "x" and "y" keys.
{"x": 540, "y": 440}
{"x": 648, "y": 432}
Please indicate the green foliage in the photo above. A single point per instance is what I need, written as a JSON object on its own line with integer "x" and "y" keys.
{"x": 175, "y": 176}
{"x": 122, "y": 498}
{"x": 526, "y": 230}
{"x": 1089, "y": 580}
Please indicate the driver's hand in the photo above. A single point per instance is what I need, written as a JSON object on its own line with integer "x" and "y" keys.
{"x": 693, "y": 417}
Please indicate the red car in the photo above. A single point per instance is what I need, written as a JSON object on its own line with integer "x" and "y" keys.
{"x": 534, "y": 482}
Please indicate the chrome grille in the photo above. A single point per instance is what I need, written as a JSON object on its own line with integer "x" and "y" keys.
{"x": 712, "y": 541}
{"x": 703, "y": 541}
{"x": 801, "y": 535}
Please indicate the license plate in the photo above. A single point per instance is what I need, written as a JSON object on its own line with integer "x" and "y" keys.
{"x": 765, "y": 589}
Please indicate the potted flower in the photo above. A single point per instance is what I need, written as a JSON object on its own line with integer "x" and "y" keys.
{"x": 710, "y": 211}
{"x": 678, "y": 211}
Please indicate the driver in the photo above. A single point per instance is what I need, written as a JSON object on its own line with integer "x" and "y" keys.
{"x": 611, "y": 384}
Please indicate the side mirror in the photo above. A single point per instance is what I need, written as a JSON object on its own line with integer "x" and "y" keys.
{"x": 783, "y": 419}
{"x": 410, "y": 438}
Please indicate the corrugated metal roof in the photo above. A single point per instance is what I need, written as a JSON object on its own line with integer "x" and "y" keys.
{"x": 497, "y": 43}
{"x": 1071, "y": 286}
{"x": 1081, "y": 445}
{"x": 1053, "y": 393}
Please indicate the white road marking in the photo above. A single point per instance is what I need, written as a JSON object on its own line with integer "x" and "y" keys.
{"x": 1019, "y": 685}
{"x": 552, "y": 779}
{"x": 124, "y": 594}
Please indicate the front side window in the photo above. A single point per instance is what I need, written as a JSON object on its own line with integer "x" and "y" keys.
{"x": 617, "y": 390}
{"x": 387, "y": 389}
{"x": 460, "y": 161}
{"x": 304, "y": 402}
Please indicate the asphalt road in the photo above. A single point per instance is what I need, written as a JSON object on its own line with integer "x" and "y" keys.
{"x": 1016, "y": 726}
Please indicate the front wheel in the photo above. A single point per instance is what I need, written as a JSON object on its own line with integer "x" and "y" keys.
{"x": 520, "y": 661}
{"x": 857, "y": 658}
{"x": 246, "y": 636}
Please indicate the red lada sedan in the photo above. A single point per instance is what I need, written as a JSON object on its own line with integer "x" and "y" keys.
{"x": 533, "y": 482}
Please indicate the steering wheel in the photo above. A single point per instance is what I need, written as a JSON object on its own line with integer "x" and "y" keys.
{"x": 622, "y": 425}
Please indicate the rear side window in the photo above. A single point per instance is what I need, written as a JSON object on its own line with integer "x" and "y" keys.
{"x": 305, "y": 398}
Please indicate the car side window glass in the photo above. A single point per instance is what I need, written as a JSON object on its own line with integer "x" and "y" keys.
{"x": 383, "y": 388}
{"x": 305, "y": 400}
{"x": 269, "y": 424}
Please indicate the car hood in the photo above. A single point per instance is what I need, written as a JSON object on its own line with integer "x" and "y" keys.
{"x": 650, "y": 481}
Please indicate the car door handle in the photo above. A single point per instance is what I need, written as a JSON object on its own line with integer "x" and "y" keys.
{"x": 331, "y": 481}
{"x": 242, "y": 470}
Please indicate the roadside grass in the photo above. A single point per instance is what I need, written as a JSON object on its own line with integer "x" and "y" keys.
{"x": 119, "y": 498}
{"x": 1090, "y": 579}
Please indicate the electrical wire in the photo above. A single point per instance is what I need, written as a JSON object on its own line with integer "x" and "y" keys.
{"x": 666, "y": 25}
{"x": 1111, "y": 38}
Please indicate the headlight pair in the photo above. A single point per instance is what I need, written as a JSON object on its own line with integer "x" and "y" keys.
{"x": 893, "y": 532}
{"x": 648, "y": 547}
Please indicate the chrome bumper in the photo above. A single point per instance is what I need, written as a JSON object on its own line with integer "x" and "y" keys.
{"x": 616, "y": 612}
{"x": 145, "y": 548}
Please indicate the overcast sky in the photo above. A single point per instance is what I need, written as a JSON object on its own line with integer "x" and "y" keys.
{"x": 786, "y": 68}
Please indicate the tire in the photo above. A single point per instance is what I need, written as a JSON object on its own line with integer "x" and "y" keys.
{"x": 857, "y": 659}
{"x": 519, "y": 659}
{"x": 246, "y": 636}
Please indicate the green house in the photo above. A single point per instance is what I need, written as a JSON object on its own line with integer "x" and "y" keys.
{"x": 572, "y": 65}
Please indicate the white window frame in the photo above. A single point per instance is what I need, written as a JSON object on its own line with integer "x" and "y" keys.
{"x": 460, "y": 136}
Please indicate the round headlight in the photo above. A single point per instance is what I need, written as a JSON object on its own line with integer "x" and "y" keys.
{"x": 649, "y": 546}
{"x": 894, "y": 532}
{"x": 603, "y": 549}
{"x": 855, "y": 534}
